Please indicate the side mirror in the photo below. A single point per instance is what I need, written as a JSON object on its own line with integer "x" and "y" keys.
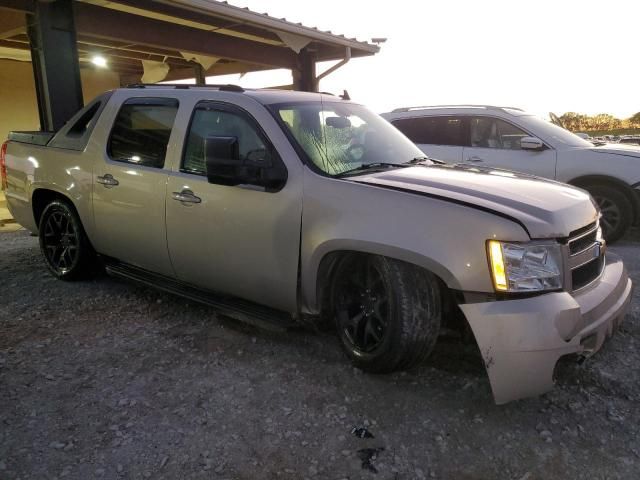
{"x": 222, "y": 159}
{"x": 531, "y": 143}
{"x": 224, "y": 166}
{"x": 338, "y": 122}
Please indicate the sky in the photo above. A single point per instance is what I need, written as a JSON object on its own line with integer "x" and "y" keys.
{"x": 558, "y": 56}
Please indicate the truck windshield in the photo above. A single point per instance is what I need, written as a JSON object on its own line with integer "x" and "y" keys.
{"x": 340, "y": 137}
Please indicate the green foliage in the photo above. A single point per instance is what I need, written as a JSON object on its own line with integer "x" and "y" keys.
{"x": 615, "y": 131}
{"x": 578, "y": 122}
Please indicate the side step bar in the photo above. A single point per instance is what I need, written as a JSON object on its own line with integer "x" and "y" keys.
{"x": 236, "y": 308}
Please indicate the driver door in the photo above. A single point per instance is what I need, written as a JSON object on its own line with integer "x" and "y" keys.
{"x": 496, "y": 143}
{"x": 238, "y": 240}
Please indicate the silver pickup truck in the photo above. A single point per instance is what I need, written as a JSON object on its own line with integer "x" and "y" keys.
{"x": 279, "y": 206}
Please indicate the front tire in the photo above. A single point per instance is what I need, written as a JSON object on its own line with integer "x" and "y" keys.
{"x": 387, "y": 312}
{"x": 63, "y": 242}
{"x": 616, "y": 209}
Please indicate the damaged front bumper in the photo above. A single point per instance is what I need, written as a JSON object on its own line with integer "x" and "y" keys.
{"x": 521, "y": 340}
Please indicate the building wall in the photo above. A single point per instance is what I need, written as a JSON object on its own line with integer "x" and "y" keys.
{"x": 18, "y": 103}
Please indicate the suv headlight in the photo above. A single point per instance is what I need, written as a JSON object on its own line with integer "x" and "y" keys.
{"x": 525, "y": 267}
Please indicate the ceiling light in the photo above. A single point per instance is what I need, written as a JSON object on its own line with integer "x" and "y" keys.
{"x": 99, "y": 61}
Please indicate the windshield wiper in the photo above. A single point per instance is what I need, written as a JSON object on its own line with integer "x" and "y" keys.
{"x": 374, "y": 165}
{"x": 424, "y": 159}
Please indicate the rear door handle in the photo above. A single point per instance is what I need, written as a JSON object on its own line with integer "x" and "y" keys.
{"x": 186, "y": 196}
{"x": 107, "y": 180}
{"x": 475, "y": 159}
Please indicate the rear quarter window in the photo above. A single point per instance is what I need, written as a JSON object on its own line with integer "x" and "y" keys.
{"x": 75, "y": 134}
{"x": 441, "y": 130}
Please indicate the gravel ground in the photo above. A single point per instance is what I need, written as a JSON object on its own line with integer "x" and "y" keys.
{"x": 105, "y": 379}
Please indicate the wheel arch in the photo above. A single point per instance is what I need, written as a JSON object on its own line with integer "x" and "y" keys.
{"x": 41, "y": 197}
{"x": 325, "y": 262}
{"x": 586, "y": 180}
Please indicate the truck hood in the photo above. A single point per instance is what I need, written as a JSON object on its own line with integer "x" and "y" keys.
{"x": 546, "y": 209}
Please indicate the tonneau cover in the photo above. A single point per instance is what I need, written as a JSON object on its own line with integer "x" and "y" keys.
{"x": 34, "y": 138}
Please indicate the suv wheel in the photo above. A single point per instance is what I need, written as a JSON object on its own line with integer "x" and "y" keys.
{"x": 617, "y": 211}
{"x": 387, "y": 312}
{"x": 64, "y": 245}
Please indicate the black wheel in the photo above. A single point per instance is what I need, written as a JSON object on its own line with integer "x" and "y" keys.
{"x": 616, "y": 209}
{"x": 64, "y": 245}
{"x": 387, "y": 312}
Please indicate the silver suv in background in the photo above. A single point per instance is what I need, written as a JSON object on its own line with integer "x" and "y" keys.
{"x": 513, "y": 139}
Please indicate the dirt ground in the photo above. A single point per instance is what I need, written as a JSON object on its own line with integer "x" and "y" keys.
{"x": 106, "y": 379}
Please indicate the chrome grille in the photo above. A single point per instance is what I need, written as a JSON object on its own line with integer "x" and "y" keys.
{"x": 586, "y": 255}
{"x": 585, "y": 274}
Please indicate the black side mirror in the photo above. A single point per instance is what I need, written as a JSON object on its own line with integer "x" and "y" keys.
{"x": 224, "y": 167}
{"x": 222, "y": 159}
{"x": 338, "y": 122}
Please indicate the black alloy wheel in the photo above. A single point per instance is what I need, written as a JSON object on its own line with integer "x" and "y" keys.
{"x": 387, "y": 312}
{"x": 60, "y": 241}
{"x": 63, "y": 242}
{"x": 362, "y": 307}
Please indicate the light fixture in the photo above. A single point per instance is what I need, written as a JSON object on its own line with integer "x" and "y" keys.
{"x": 99, "y": 61}
{"x": 525, "y": 266}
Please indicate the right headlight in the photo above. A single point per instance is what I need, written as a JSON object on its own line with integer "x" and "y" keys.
{"x": 525, "y": 267}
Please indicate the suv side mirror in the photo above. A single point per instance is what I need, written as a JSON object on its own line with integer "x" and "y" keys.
{"x": 531, "y": 143}
{"x": 224, "y": 167}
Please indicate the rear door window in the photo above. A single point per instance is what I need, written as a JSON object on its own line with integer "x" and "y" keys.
{"x": 440, "y": 130}
{"x": 141, "y": 131}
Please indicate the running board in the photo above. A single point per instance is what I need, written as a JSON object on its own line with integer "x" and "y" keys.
{"x": 263, "y": 317}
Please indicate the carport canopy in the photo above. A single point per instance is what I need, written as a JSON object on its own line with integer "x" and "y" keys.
{"x": 157, "y": 40}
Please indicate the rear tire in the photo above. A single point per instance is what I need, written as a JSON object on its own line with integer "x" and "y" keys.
{"x": 387, "y": 312}
{"x": 617, "y": 211}
{"x": 64, "y": 243}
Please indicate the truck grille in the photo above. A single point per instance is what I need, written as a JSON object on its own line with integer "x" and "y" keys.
{"x": 587, "y": 273}
{"x": 586, "y": 256}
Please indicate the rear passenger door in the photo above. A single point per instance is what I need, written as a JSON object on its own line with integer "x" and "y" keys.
{"x": 440, "y": 137}
{"x": 496, "y": 143}
{"x": 129, "y": 185}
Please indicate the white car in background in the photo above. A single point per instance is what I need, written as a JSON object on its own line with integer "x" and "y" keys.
{"x": 512, "y": 139}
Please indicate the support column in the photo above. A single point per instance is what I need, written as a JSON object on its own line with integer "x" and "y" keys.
{"x": 201, "y": 78}
{"x": 56, "y": 68}
{"x": 304, "y": 78}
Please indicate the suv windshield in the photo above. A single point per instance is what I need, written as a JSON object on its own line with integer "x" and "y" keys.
{"x": 553, "y": 133}
{"x": 340, "y": 137}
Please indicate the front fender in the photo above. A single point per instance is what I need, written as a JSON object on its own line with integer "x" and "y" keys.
{"x": 445, "y": 238}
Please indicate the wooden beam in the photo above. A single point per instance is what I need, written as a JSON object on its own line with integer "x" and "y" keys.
{"x": 105, "y": 23}
{"x": 218, "y": 69}
{"x": 12, "y": 23}
{"x": 128, "y": 47}
{"x": 216, "y": 22}
{"x": 12, "y": 44}
{"x": 24, "y": 6}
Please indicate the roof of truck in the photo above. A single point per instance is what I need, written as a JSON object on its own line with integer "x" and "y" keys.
{"x": 263, "y": 95}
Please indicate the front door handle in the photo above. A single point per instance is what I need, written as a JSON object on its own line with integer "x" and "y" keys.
{"x": 186, "y": 196}
{"x": 475, "y": 159}
{"x": 107, "y": 180}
